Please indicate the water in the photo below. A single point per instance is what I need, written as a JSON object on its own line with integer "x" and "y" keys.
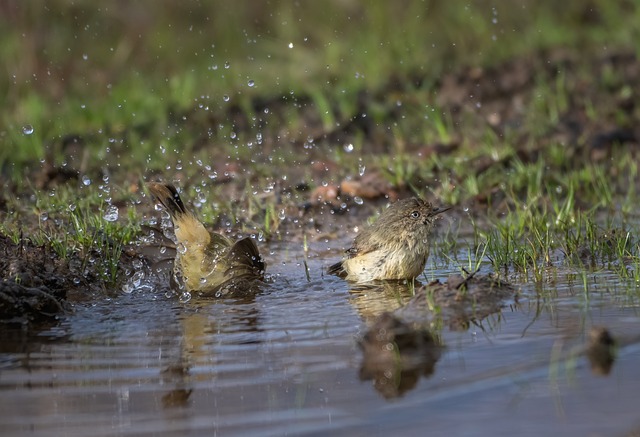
{"x": 287, "y": 363}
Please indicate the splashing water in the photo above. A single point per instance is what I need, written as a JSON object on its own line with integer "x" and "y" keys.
{"x": 111, "y": 214}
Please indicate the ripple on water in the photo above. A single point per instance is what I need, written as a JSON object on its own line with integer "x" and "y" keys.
{"x": 287, "y": 362}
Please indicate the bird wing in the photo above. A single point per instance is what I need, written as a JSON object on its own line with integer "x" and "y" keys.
{"x": 363, "y": 244}
{"x": 244, "y": 259}
{"x": 218, "y": 242}
{"x": 358, "y": 249}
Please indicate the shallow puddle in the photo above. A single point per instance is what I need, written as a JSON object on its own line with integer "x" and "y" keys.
{"x": 287, "y": 363}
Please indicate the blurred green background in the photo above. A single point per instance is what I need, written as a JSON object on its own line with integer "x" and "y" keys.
{"x": 131, "y": 71}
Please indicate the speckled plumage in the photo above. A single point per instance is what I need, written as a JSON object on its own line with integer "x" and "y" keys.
{"x": 395, "y": 247}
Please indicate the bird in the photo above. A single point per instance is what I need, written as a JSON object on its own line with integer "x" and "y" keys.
{"x": 207, "y": 261}
{"x": 394, "y": 247}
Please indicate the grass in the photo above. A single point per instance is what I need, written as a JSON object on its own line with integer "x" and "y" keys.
{"x": 256, "y": 96}
{"x": 79, "y": 228}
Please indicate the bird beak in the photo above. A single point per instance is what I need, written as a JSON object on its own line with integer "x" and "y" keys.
{"x": 439, "y": 210}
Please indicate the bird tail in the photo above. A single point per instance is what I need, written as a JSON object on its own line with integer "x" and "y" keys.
{"x": 167, "y": 196}
{"x": 337, "y": 269}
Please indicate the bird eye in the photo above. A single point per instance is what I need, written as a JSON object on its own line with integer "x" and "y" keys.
{"x": 415, "y": 214}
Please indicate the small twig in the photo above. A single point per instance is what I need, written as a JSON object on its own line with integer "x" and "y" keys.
{"x": 467, "y": 278}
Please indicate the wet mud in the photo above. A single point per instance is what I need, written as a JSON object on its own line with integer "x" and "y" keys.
{"x": 35, "y": 283}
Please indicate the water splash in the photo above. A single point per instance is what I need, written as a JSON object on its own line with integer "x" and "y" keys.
{"x": 111, "y": 214}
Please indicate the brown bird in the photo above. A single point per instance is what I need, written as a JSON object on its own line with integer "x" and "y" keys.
{"x": 207, "y": 261}
{"x": 395, "y": 247}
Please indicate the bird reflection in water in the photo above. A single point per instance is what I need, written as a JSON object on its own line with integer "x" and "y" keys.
{"x": 402, "y": 345}
{"x": 396, "y": 354}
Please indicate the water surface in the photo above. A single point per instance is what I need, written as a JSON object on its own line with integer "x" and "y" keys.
{"x": 287, "y": 363}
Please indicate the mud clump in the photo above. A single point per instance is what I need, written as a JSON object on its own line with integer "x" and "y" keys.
{"x": 33, "y": 282}
{"x": 459, "y": 301}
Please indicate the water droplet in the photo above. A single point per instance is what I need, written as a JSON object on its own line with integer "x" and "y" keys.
{"x": 227, "y": 65}
{"x": 358, "y": 200}
{"x": 290, "y": 45}
{"x": 226, "y": 98}
{"x": 27, "y": 129}
{"x": 137, "y": 278}
{"x": 185, "y": 297}
{"x": 348, "y": 148}
{"x": 44, "y": 216}
{"x": 182, "y": 248}
{"x": 361, "y": 169}
{"x": 111, "y": 214}
{"x": 86, "y": 180}
{"x": 85, "y": 56}
{"x": 281, "y": 214}
{"x": 251, "y": 83}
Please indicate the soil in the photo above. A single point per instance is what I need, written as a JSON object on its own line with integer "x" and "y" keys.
{"x": 35, "y": 283}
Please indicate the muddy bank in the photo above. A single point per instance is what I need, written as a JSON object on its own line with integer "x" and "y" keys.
{"x": 37, "y": 285}
{"x": 35, "y": 282}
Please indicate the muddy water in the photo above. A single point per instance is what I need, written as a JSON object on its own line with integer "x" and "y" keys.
{"x": 287, "y": 363}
